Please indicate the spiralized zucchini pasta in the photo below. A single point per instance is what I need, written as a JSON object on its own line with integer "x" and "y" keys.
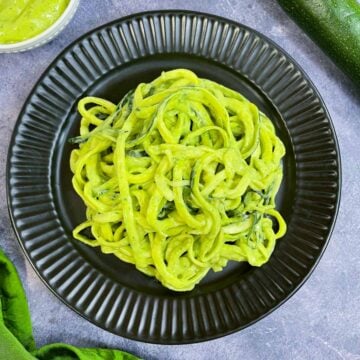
{"x": 178, "y": 178}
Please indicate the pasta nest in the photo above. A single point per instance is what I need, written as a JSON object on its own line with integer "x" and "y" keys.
{"x": 179, "y": 178}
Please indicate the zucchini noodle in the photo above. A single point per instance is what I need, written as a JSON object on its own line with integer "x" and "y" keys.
{"x": 178, "y": 178}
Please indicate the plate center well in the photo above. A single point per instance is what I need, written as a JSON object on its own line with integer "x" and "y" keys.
{"x": 113, "y": 86}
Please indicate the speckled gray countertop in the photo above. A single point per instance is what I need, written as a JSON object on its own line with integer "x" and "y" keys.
{"x": 322, "y": 320}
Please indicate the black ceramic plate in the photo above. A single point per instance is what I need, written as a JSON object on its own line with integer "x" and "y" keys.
{"x": 108, "y": 62}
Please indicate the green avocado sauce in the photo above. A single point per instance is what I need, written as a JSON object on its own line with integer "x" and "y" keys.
{"x": 23, "y": 19}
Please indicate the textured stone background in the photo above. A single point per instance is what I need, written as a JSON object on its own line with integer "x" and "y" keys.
{"x": 322, "y": 320}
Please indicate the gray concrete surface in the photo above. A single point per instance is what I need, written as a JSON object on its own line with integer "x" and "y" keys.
{"x": 322, "y": 320}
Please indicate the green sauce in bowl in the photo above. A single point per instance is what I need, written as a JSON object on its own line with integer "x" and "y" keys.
{"x": 23, "y": 19}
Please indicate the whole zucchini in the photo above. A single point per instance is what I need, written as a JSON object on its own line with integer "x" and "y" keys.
{"x": 335, "y": 26}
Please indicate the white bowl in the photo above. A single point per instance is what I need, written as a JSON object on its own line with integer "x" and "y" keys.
{"x": 46, "y": 35}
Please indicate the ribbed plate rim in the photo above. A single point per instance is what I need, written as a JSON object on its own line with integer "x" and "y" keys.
{"x": 178, "y": 12}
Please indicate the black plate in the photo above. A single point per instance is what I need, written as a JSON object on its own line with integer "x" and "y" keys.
{"x": 108, "y": 62}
